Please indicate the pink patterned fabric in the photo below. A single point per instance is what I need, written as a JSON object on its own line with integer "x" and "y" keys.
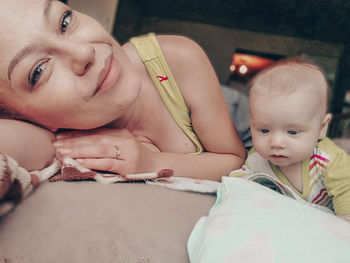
{"x": 16, "y": 182}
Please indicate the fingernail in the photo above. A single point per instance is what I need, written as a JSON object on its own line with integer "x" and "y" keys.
{"x": 57, "y": 144}
{"x": 60, "y": 136}
{"x": 64, "y": 151}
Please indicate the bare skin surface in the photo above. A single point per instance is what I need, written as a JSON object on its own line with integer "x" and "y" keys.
{"x": 53, "y": 63}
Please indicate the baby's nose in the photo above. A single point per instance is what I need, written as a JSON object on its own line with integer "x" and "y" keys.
{"x": 277, "y": 141}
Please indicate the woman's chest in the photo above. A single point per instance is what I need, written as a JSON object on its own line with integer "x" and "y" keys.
{"x": 160, "y": 128}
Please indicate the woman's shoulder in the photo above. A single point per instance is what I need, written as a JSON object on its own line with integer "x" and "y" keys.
{"x": 180, "y": 48}
{"x": 188, "y": 64}
{"x": 30, "y": 145}
{"x": 177, "y": 41}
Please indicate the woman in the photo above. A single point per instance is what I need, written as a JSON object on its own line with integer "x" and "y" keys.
{"x": 61, "y": 70}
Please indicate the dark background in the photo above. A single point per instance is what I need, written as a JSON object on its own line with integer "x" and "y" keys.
{"x": 321, "y": 20}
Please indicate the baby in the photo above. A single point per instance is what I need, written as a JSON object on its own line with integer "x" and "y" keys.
{"x": 289, "y": 122}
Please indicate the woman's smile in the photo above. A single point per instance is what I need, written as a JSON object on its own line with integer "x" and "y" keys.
{"x": 108, "y": 76}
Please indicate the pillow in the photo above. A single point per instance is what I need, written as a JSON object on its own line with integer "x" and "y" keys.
{"x": 250, "y": 223}
{"x": 85, "y": 221}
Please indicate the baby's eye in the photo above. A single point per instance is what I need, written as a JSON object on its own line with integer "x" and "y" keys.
{"x": 292, "y": 132}
{"x": 65, "y": 20}
{"x": 36, "y": 73}
{"x": 264, "y": 131}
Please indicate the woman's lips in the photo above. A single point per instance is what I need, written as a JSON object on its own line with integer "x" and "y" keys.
{"x": 108, "y": 76}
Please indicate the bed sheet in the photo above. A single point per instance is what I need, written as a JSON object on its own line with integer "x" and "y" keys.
{"x": 251, "y": 223}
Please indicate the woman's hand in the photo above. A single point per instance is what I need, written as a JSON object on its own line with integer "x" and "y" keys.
{"x": 113, "y": 150}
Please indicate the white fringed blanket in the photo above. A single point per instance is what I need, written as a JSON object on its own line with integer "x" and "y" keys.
{"x": 16, "y": 182}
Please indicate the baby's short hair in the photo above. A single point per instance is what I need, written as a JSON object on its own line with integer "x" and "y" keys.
{"x": 287, "y": 76}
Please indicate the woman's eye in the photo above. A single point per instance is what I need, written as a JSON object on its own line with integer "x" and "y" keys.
{"x": 293, "y": 132}
{"x": 36, "y": 73}
{"x": 264, "y": 131}
{"x": 65, "y": 20}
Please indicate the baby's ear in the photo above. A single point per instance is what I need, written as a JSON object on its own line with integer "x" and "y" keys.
{"x": 324, "y": 126}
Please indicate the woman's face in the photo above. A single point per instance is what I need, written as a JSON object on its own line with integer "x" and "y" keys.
{"x": 60, "y": 68}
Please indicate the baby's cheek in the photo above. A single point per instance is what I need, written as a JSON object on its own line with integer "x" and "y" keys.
{"x": 261, "y": 147}
{"x": 302, "y": 152}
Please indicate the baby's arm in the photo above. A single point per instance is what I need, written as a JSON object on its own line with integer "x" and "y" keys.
{"x": 30, "y": 145}
{"x": 345, "y": 217}
{"x": 337, "y": 182}
{"x": 242, "y": 172}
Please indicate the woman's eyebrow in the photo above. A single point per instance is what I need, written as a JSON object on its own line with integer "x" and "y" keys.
{"x": 17, "y": 58}
{"x": 27, "y": 50}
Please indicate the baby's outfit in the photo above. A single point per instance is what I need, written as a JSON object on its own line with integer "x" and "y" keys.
{"x": 325, "y": 175}
{"x": 151, "y": 55}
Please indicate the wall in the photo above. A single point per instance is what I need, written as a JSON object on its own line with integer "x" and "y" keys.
{"x": 220, "y": 43}
{"x": 102, "y": 10}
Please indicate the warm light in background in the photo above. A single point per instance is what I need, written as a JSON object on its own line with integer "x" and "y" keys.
{"x": 245, "y": 64}
{"x": 243, "y": 69}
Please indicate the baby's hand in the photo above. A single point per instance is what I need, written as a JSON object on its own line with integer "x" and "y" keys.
{"x": 246, "y": 176}
{"x": 345, "y": 217}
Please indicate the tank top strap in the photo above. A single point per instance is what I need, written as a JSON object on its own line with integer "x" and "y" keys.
{"x": 151, "y": 55}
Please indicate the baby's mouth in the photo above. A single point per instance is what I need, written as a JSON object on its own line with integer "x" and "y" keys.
{"x": 278, "y": 157}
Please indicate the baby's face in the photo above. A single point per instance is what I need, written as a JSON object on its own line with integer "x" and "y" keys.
{"x": 53, "y": 61}
{"x": 285, "y": 128}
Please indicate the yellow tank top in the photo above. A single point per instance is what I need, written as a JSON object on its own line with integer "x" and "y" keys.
{"x": 151, "y": 55}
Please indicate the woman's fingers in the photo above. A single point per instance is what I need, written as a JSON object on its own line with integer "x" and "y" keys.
{"x": 84, "y": 140}
{"x": 72, "y": 134}
{"x": 99, "y": 131}
{"x": 118, "y": 152}
{"x": 103, "y": 157}
{"x": 111, "y": 165}
{"x": 93, "y": 151}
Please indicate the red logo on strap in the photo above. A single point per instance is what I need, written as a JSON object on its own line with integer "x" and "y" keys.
{"x": 161, "y": 78}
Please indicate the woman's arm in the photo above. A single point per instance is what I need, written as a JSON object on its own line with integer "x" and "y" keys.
{"x": 30, "y": 145}
{"x": 98, "y": 150}
{"x": 210, "y": 117}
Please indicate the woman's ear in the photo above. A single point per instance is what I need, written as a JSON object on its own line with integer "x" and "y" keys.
{"x": 324, "y": 126}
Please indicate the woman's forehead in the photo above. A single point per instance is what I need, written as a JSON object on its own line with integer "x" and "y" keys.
{"x": 19, "y": 22}
{"x": 18, "y": 15}
{"x": 21, "y": 6}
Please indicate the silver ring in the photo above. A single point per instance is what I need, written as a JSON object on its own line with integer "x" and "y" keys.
{"x": 117, "y": 152}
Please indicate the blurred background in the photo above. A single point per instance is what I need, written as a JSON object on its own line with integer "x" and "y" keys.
{"x": 243, "y": 36}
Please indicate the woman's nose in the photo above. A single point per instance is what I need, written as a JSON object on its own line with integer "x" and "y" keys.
{"x": 83, "y": 59}
{"x": 80, "y": 56}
